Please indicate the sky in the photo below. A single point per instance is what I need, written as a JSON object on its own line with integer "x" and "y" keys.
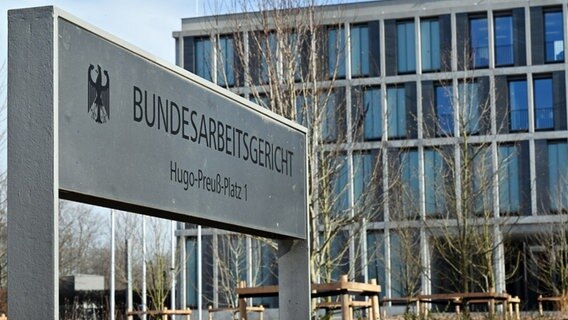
{"x": 147, "y": 24}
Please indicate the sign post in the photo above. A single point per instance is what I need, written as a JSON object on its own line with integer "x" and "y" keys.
{"x": 95, "y": 120}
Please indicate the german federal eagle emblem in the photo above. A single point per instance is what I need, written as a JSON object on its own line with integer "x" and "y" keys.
{"x": 98, "y": 104}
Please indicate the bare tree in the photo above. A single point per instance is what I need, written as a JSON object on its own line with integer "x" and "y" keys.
{"x": 549, "y": 256}
{"x": 291, "y": 61}
{"x": 407, "y": 267}
{"x": 79, "y": 238}
{"x": 160, "y": 271}
{"x": 465, "y": 230}
{"x": 233, "y": 255}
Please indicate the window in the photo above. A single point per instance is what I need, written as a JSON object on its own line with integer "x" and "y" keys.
{"x": 329, "y": 121}
{"x": 444, "y": 110}
{"x": 340, "y": 195}
{"x": 376, "y": 256}
{"x": 406, "y": 268}
{"x": 340, "y": 254}
{"x": 367, "y": 113}
{"x": 509, "y": 193}
{"x": 336, "y": 52}
{"x": 406, "y": 47}
{"x": 554, "y": 36}
{"x": 480, "y": 181}
{"x": 360, "y": 50}
{"x": 557, "y": 175}
{"x": 543, "y": 104}
{"x": 265, "y": 261}
{"x": 267, "y": 57}
{"x": 202, "y": 59}
{"x": 225, "y": 61}
{"x": 396, "y": 108}
{"x": 430, "y": 41}
{"x": 504, "y": 40}
{"x": 434, "y": 179}
{"x": 366, "y": 187}
{"x": 479, "y": 42}
{"x": 409, "y": 177}
{"x": 469, "y": 107}
{"x": 518, "y": 105}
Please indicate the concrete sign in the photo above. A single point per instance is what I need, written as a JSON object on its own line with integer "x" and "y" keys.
{"x": 93, "y": 119}
{"x": 149, "y": 136}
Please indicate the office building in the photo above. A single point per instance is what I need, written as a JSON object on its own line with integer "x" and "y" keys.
{"x": 421, "y": 89}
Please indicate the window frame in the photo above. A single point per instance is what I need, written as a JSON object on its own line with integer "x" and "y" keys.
{"x": 397, "y": 113}
{"x": 431, "y": 44}
{"x": 521, "y": 122}
{"x": 538, "y": 98}
{"x": 408, "y": 64}
{"x": 545, "y": 31}
{"x": 203, "y": 65}
{"x": 504, "y": 44}
{"x": 363, "y": 54}
{"x": 473, "y": 48}
{"x": 445, "y": 126}
{"x": 336, "y": 52}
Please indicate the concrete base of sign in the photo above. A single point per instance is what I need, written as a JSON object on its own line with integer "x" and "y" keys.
{"x": 294, "y": 279}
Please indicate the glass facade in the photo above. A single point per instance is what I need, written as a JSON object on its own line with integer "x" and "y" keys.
{"x": 328, "y": 119}
{"x": 366, "y": 184}
{"x": 469, "y": 119}
{"x": 543, "y": 104}
{"x": 444, "y": 110}
{"x": 376, "y": 256}
{"x": 430, "y": 41}
{"x": 436, "y": 180}
{"x": 410, "y": 185}
{"x": 479, "y": 183}
{"x": 518, "y": 105}
{"x": 202, "y": 59}
{"x": 266, "y": 59}
{"x": 367, "y": 113}
{"x": 396, "y": 128}
{"x": 504, "y": 53}
{"x": 509, "y": 191}
{"x": 340, "y": 177}
{"x": 406, "y": 47}
{"x": 479, "y": 38}
{"x": 557, "y": 175}
{"x": 554, "y": 36}
{"x": 360, "y": 50}
{"x": 396, "y": 110}
{"x": 225, "y": 61}
{"x": 336, "y": 52}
